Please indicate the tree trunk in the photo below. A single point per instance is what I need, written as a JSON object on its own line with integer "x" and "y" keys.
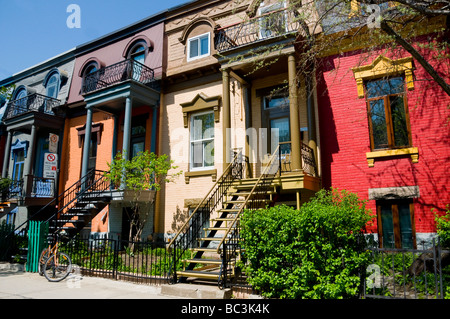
{"x": 425, "y": 262}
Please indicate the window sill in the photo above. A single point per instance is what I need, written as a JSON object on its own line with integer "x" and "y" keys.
{"x": 412, "y": 151}
{"x": 209, "y": 172}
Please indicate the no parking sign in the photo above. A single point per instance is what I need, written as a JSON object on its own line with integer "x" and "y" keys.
{"x": 50, "y": 165}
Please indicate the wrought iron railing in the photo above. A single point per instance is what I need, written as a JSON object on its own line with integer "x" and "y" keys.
{"x": 308, "y": 159}
{"x": 117, "y": 73}
{"x": 33, "y": 103}
{"x": 230, "y": 245}
{"x": 271, "y": 25}
{"x": 41, "y": 187}
{"x": 93, "y": 182}
{"x": 16, "y": 189}
{"x": 10, "y": 189}
{"x": 187, "y": 236}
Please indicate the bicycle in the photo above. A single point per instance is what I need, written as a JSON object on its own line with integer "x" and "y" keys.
{"x": 54, "y": 264}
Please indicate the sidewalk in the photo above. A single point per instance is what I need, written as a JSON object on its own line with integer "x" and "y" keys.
{"x": 17, "y": 284}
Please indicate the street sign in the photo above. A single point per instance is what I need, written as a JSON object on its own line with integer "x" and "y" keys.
{"x": 53, "y": 143}
{"x": 50, "y": 165}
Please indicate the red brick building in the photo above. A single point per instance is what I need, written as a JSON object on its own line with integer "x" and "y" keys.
{"x": 385, "y": 135}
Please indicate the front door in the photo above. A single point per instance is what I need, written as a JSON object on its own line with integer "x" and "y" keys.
{"x": 396, "y": 224}
{"x": 275, "y": 118}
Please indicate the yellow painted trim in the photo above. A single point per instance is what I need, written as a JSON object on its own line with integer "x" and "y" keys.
{"x": 383, "y": 66}
{"x": 355, "y": 8}
{"x": 412, "y": 151}
{"x": 201, "y": 102}
{"x": 201, "y": 173}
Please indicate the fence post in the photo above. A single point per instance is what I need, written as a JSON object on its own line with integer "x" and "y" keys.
{"x": 116, "y": 258}
{"x": 37, "y": 239}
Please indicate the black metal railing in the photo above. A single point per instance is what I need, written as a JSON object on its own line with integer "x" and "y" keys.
{"x": 89, "y": 186}
{"x": 33, "y": 103}
{"x": 230, "y": 246}
{"x": 271, "y": 25}
{"x": 103, "y": 255}
{"x": 395, "y": 273}
{"x": 93, "y": 182}
{"x": 308, "y": 159}
{"x": 187, "y": 236}
{"x": 117, "y": 73}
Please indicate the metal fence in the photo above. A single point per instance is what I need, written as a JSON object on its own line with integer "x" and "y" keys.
{"x": 141, "y": 262}
{"x": 408, "y": 273}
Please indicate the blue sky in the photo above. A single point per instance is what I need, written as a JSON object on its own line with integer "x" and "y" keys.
{"x": 33, "y": 31}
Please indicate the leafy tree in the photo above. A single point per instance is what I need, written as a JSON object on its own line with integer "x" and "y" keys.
{"x": 336, "y": 26}
{"x": 144, "y": 172}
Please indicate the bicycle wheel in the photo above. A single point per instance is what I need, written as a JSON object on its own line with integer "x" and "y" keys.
{"x": 57, "y": 267}
{"x": 43, "y": 259}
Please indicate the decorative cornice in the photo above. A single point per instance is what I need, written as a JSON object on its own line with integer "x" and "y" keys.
{"x": 383, "y": 66}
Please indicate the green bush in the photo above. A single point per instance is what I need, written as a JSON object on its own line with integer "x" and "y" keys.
{"x": 443, "y": 227}
{"x": 316, "y": 252}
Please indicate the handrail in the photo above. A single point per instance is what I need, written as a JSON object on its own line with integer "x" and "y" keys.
{"x": 58, "y": 198}
{"x": 82, "y": 192}
{"x": 246, "y": 201}
{"x": 204, "y": 199}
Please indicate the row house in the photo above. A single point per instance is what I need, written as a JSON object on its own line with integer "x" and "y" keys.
{"x": 33, "y": 125}
{"x": 113, "y": 106}
{"x": 384, "y": 133}
{"x": 237, "y": 120}
{"x": 216, "y": 104}
{"x": 219, "y": 87}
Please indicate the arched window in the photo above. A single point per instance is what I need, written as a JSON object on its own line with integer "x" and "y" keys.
{"x": 138, "y": 52}
{"x": 198, "y": 39}
{"x": 90, "y": 68}
{"x": 52, "y": 86}
{"x": 89, "y": 75}
{"x": 20, "y": 100}
{"x": 20, "y": 93}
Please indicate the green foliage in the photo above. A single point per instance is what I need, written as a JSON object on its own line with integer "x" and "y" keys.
{"x": 316, "y": 252}
{"x": 143, "y": 172}
{"x": 443, "y": 227}
{"x": 6, "y": 93}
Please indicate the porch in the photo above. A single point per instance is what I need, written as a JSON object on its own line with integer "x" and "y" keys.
{"x": 117, "y": 90}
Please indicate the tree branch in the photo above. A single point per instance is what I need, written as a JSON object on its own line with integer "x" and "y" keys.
{"x": 416, "y": 55}
{"x": 420, "y": 6}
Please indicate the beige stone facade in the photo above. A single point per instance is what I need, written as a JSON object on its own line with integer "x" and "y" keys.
{"x": 196, "y": 85}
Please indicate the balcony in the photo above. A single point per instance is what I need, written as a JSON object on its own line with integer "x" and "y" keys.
{"x": 33, "y": 103}
{"x": 273, "y": 25}
{"x": 117, "y": 73}
{"x": 36, "y": 189}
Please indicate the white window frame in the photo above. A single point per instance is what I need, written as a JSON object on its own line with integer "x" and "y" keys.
{"x": 191, "y": 141}
{"x": 198, "y": 37}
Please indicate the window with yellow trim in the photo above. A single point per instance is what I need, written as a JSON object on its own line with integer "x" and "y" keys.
{"x": 388, "y": 113}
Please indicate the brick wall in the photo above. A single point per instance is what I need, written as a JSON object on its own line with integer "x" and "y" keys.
{"x": 344, "y": 134}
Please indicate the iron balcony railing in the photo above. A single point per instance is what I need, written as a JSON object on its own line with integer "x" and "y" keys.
{"x": 41, "y": 187}
{"x": 117, "y": 73}
{"x": 268, "y": 26}
{"x": 308, "y": 160}
{"x": 33, "y": 103}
